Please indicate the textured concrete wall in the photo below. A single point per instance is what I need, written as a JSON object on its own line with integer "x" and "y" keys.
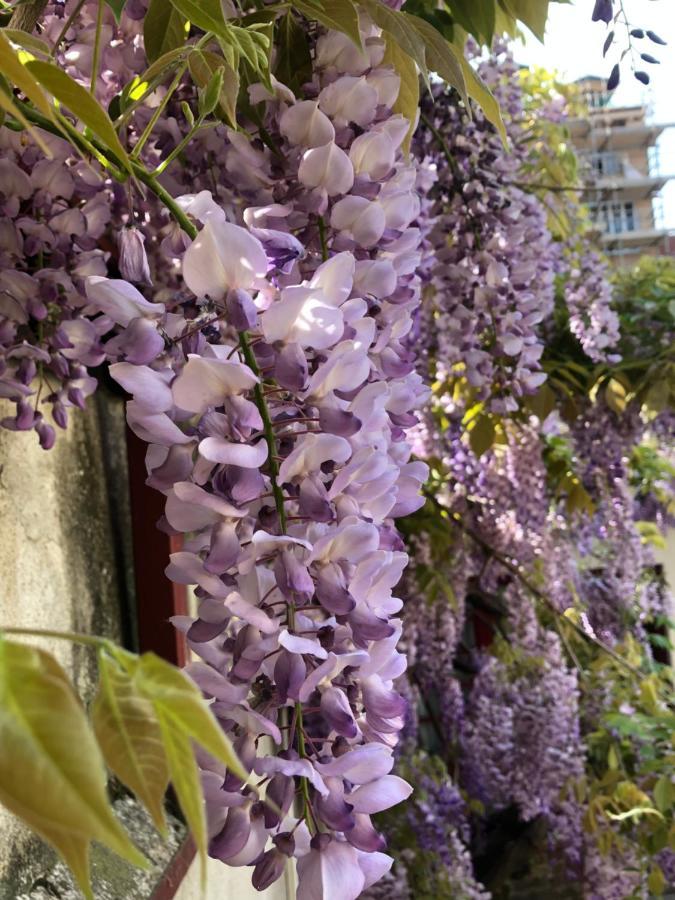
{"x": 65, "y": 564}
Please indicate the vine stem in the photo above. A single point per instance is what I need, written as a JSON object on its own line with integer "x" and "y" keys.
{"x": 97, "y": 49}
{"x": 72, "y": 636}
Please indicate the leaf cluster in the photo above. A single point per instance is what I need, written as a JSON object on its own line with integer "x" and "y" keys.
{"x": 142, "y": 725}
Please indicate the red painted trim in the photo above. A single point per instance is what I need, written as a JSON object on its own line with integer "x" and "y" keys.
{"x": 157, "y": 598}
{"x": 175, "y": 872}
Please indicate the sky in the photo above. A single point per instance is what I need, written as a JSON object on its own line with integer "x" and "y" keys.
{"x": 573, "y": 47}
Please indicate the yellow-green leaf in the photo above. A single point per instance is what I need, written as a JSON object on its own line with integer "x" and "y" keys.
{"x": 184, "y": 774}
{"x": 479, "y": 91}
{"x": 203, "y": 64}
{"x": 27, "y": 41}
{"x": 396, "y": 25}
{"x": 656, "y": 881}
{"x": 130, "y": 738}
{"x": 664, "y": 793}
{"x": 163, "y": 29}
{"x": 482, "y": 434}
{"x": 532, "y": 13}
{"x": 80, "y": 102}
{"x": 19, "y": 75}
{"x": 178, "y": 698}
{"x": 51, "y": 771}
{"x": 183, "y": 716}
{"x": 615, "y": 396}
{"x": 408, "y": 100}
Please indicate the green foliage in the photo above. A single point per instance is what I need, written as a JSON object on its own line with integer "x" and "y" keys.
{"x": 146, "y": 717}
{"x": 67, "y": 92}
{"x": 163, "y": 29}
{"x": 629, "y": 791}
{"x": 58, "y": 792}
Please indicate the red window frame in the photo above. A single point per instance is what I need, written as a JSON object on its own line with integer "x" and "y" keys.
{"x": 157, "y": 599}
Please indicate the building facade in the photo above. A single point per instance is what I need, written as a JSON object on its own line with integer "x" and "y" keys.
{"x": 620, "y": 166}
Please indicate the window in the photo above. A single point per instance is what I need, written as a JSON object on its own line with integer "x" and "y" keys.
{"x": 614, "y": 218}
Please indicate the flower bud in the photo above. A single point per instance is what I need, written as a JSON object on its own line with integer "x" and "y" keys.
{"x": 133, "y": 260}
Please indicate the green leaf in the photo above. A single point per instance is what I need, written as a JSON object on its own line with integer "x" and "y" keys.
{"x": 117, "y": 6}
{"x": 19, "y": 75}
{"x": 209, "y": 96}
{"x": 396, "y": 25}
{"x": 51, "y": 771}
{"x": 203, "y": 66}
{"x": 185, "y": 778}
{"x": 293, "y": 59}
{"x": 130, "y": 738}
{"x": 441, "y": 56}
{"x": 482, "y": 434}
{"x": 340, "y": 15}
{"x": 205, "y": 14}
{"x": 664, "y": 794}
{"x": 164, "y": 63}
{"x": 183, "y": 715}
{"x": 163, "y": 29}
{"x": 482, "y": 94}
{"x": 80, "y": 102}
{"x": 477, "y": 17}
{"x": 27, "y": 41}
{"x": 408, "y": 100}
{"x": 656, "y": 881}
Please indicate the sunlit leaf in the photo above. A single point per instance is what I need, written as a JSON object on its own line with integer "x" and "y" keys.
{"x": 185, "y": 779}
{"x": 8, "y": 106}
{"x": 27, "y": 41}
{"x": 533, "y": 13}
{"x": 396, "y": 25}
{"x": 51, "y": 771}
{"x": 129, "y": 735}
{"x": 80, "y": 102}
{"x": 482, "y": 94}
{"x": 407, "y": 102}
{"x": 163, "y": 29}
{"x": 20, "y": 76}
{"x": 183, "y": 716}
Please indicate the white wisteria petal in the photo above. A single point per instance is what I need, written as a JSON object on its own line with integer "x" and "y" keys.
{"x": 119, "y": 300}
{"x": 301, "y": 316}
{"x": 246, "y": 456}
{"x": 305, "y": 125}
{"x": 310, "y": 452}
{"x": 327, "y": 167}
{"x": 335, "y": 277}
{"x": 204, "y": 383}
{"x": 223, "y": 257}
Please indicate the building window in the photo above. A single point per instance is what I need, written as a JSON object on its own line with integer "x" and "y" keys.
{"x": 614, "y": 218}
{"x": 604, "y": 164}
